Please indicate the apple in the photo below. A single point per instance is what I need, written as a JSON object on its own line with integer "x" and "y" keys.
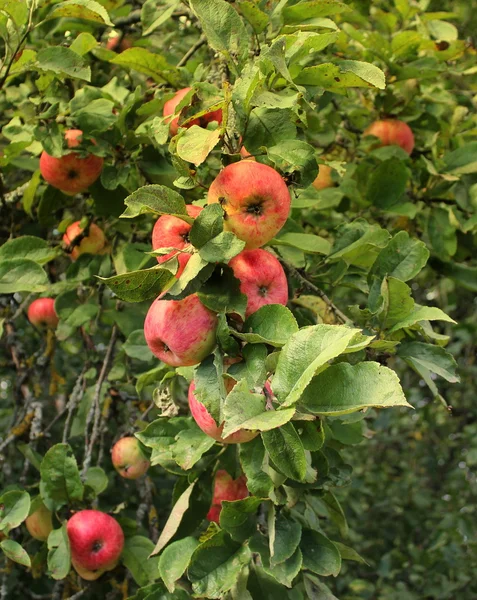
{"x": 96, "y": 541}
{"x": 215, "y": 115}
{"x": 208, "y": 425}
{"x": 181, "y": 333}
{"x": 170, "y": 108}
{"x": 93, "y": 243}
{"x": 71, "y": 173}
{"x": 117, "y": 42}
{"x": 226, "y": 488}
{"x": 128, "y": 458}
{"x": 255, "y": 199}
{"x": 262, "y": 279}
{"x": 173, "y": 232}
{"x": 42, "y": 313}
{"x": 39, "y": 523}
{"x": 323, "y": 179}
{"x": 392, "y": 132}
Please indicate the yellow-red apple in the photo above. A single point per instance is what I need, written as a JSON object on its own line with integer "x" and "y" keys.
{"x": 392, "y": 132}
{"x": 323, "y": 179}
{"x": 42, "y": 313}
{"x": 226, "y": 488}
{"x": 170, "y": 109}
{"x": 128, "y": 458}
{"x": 255, "y": 200}
{"x": 93, "y": 243}
{"x": 39, "y": 524}
{"x": 119, "y": 43}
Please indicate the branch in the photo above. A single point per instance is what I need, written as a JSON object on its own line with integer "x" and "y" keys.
{"x": 200, "y": 42}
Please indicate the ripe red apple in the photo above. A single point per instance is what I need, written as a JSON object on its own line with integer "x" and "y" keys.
{"x": 180, "y": 332}
{"x": 226, "y": 488}
{"x": 39, "y": 523}
{"x": 255, "y": 200}
{"x": 262, "y": 279}
{"x": 128, "y": 458}
{"x": 323, "y": 179}
{"x": 170, "y": 109}
{"x": 96, "y": 541}
{"x": 172, "y": 232}
{"x": 71, "y": 173}
{"x": 93, "y": 243}
{"x": 392, "y": 132}
{"x": 208, "y": 425}
{"x": 215, "y": 115}
{"x": 41, "y": 312}
{"x": 119, "y": 43}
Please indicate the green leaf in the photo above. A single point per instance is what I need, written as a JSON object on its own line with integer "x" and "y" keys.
{"x": 136, "y": 346}
{"x": 403, "y": 258}
{"x": 434, "y": 358}
{"x": 308, "y": 243}
{"x": 317, "y": 589}
{"x": 81, "y": 9}
{"x": 59, "y": 553}
{"x": 63, "y": 61}
{"x": 83, "y": 43}
{"x": 14, "y": 509}
{"x": 238, "y": 517}
{"x": 271, "y": 324}
{"x": 222, "y": 248}
{"x": 316, "y": 8}
{"x": 442, "y": 233}
{"x": 136, "y": 557}
{"x": 153, "y": 16}
{"x": 16, "y": 10}
{"x": 286, "y": 451}
{"x": 15, "y": 552}
{"x": 286, "y": 571}
{"x": 152, "y": 65}
{"x": 422, "y": 313}
{"x": 294, "y": 155}
{"x": 305, "y": 353}
{"x": 252, "y": 368}
{"x": 96, "y": 479}
{"x": 320, "y": 555}
{"x": 97, "y": 116}
{"x": 208, "y": 224}
{"x": 387, "y": 184}
{"x": 337, "y": 78}
{"x": 190, "y": 445}
{"x": 195, "y": 144}
{"x": 252, "y": 456}
{"x": 221, "y": 292}
{"x": 209, "y": 385}
{"x": 246, "y": 410}
{"x": 335, "y": 510}
{"x": 137, "y": 286}
{"x": 21, "y": 275}
{"x": 60, "y": 480}
{"x": 174, "y": 520}
{"x": 463, "y": 160}
{"x": 223, "y": 27}
{"x": 269, "y": 127}
{"x": 344, "y": 388}
{"x": 257, "y": 19}
{"x": 30, "y": 192}
{"x": 216, "y": 565}
{"x": 157, "y": 199}
{"x": 175, "y": 559}
{"x": 358, "y": 243}
{"x": 287, "y": 536}
{"x": 348, "y": 553}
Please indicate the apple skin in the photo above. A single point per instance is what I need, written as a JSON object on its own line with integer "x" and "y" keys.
{"x": 255, "y": 199}
{"x": 245, "y": 154}
{"x": 41, "y": 313}
{"x": 128, "y": 458}
{"x": 392, "y": 132}
{"x": 117, "y": 43}
{"x": 71, "y": 173}
{"x": 93, "y": 243}
{"x": 181, "y": 333}
{"x": 172, "y": 232}
{"x": 323, "y": 179}
{"x": 226, "y": 488}
{"x": 39, "y": 523}
{"x": 96, "y": 540}
{"x": 262, "y": 279}
{"x": 170, "y": 108}
{"x": 208, "y": 425}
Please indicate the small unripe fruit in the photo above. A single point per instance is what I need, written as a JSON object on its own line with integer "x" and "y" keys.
{"x": 39, "y": 524}
{"x": 226, "y": 488}
{"x": 128, "y": 458}
{"x": 93, "y": 243}
{"x": 323, "y": 179}
{"x": 392, "y": 132}
{"x": 42, "y": 313}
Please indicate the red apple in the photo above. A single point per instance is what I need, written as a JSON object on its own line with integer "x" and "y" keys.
{"x": 226, "y": 488}
{"x": 172, "y": 232}
{"x": 41, "y": 312}
{"x": 208, "y": 425}
{"x": 323, "y": 179}
{"x": 93, "y": 243}
{"x": 39, "y": 523}
{"x": 255, "y": 200}
{"x": 71, "y": 173}
{"x": 392, "y": 132}
{"x": 96, "y": 541}
{"x": 128, "y": 458}
{"x": 180, "y": 332}
{"x": 215, "y": 115}
{"x": 262, "y": 279}
{"x": 119, "y": 43}
{"x": 170, "y": 109}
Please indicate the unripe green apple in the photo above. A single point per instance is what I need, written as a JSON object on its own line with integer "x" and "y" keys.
{"x": 39, "y": 524}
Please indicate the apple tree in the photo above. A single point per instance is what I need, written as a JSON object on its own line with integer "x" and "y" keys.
{"x": 229, "y": 231}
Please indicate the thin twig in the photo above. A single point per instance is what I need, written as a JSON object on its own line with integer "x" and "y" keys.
{"x": 200, "y": 42}
{"x": 73, "y": 401}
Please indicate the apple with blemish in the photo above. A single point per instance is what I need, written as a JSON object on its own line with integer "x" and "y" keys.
{"x": 262, "y": 279}
{"x": 226, "y": 488}
{"x": 180, "y": 332}
{"x": 255, "y": 200}
{"x": 323, "y": 179}
{"x": 71, "y": 173}
{"x": 96, "y": 541}
{"x": 39, "y": 524}
{"x": 42, "y": 313}
{"x": 173, "y": 232}
{"x": 128, "y": 459}
{"x": 92, "y": 243}
{"x": 392, "y": 132}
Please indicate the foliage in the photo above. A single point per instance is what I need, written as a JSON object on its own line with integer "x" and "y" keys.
{"x": 380, "y": 267}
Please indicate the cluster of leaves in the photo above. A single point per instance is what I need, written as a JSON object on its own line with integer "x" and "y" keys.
{"x": 297, "y": 82}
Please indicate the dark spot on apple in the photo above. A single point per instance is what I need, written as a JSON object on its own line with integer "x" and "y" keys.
{"x": 263, "y": 290}
{"x": 185, "y": 237}
{"x": 222, "y": 200}
{"x": 97, "y": 545}
{"x": 441, "y": 46}
{"x": 255, "y": 209}
{"x": 337, "y": 79}
{"x": 72, "y": 174}
{"x": 166, "y": 348}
